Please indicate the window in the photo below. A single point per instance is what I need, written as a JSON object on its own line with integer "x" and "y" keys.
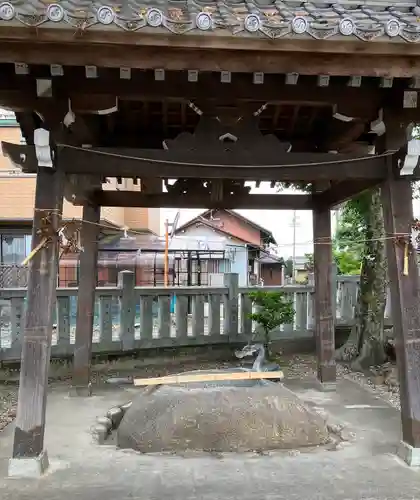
{"x": 68, "y": 275}
{"x": 14, "y": 248}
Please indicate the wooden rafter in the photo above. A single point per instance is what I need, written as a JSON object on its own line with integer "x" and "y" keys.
{"x": 294, "y": 119}
{"x": 342, "y": 134}
{"x": 142, "y": 86}
{"x": 276, "y": 115}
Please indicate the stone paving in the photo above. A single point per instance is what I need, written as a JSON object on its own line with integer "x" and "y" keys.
{"x": 366, "y": 468}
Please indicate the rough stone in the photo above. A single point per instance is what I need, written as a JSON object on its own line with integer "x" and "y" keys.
{"x": 335, "y": 428}
{"x": 220, "y": 419}
{"x": 105, "y": 421}
{"x": 115, "y": 414}
{"x": 346, "y": 435}
{"x": 99, "y": 433}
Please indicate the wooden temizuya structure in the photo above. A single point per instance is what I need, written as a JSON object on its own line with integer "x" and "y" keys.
{"x": 211, "y": 95}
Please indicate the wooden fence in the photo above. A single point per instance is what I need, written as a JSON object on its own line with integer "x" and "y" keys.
{"x": 129, "y": 317}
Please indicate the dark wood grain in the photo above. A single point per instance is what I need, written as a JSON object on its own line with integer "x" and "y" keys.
{"x": 195, "y": 200}
{"x": 405, "y": 302}
{"x": 142, "y": 86}
{"x": 324, "y": 312}
{"x": 260, "y": 165}
{"x": 342, "y": 191}
{"x": 397, "y": 60}
{"x": 86, "y": 299}
{"x": 30, "y": 418}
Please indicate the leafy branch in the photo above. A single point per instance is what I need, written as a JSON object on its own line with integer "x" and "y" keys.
{"x": 273, "y": 309}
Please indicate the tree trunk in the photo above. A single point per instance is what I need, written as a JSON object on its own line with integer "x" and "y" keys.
{"x": 365, "y": 345}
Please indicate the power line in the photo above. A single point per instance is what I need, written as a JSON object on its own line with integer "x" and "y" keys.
{"x": 317, "y": 241}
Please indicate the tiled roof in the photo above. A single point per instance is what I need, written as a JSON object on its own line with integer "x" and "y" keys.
{"x": 350, "y": 19}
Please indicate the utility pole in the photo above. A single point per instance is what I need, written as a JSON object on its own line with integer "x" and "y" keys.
{"x": 173, "y": 227}
{"x": 294, "y": 247}
{"x": 166, "y": 262}
{"x": 295, "y": 224}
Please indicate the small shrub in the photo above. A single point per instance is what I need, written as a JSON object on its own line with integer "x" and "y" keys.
{"x": 273, "y": 310}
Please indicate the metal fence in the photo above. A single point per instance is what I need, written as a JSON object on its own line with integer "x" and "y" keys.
{"x": 13, "y": 276}
{"x": 184, "y": 270}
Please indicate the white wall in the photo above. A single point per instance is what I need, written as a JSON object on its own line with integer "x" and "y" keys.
{"x": 203, "y": 237}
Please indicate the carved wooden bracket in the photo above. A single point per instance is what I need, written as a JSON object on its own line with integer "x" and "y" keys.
{"x": 215, "y": 135}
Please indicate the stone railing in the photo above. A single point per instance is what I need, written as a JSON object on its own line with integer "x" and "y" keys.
{"x": 129, "y": 317}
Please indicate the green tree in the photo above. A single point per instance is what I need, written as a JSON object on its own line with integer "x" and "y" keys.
{"x": 288, "y": 268}
{"x": 273, "y": 309}
{"x": 361, "y": 232}
{"x": 347, "y": 262}
{"x": 359, "y": 245}
{"x": 309, "y": 262}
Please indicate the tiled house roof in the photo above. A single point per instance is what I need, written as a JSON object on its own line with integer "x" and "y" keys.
{"x": 348, "y": 19}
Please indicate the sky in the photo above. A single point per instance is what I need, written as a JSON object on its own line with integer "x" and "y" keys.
{"x": 279, "y": 222}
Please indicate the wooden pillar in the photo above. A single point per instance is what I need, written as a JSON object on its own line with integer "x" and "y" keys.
{"x": 405, "y": 308}
{"x": 29, "y": 457}
{"x": 324, "y": 313}
{"x": 88, "y": 276}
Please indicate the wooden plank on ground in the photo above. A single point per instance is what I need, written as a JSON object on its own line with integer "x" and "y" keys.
{"x": 208, "y": 377}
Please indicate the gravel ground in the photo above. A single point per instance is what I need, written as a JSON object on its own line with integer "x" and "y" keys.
{"x": 8, "y": 402}
{"x": 302, "y": 366}
{"x": 297, "y": 366}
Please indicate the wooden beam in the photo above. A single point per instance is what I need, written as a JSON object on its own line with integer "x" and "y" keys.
{"x": 324, "y": 313}
{"x": 197, "y": 200}
{"x": 30, "y": 419}
{"x": 86, "y": 93}
{"x": 86, "y": 300}
{"x": 151, "y": 185}
{"x": 341, "y": 134}
{"x": 20, "y": 100}
{"x": 18, "y": 34}
{"x": 342, "y": 191}
{"x": 208, "y": 377}
{"x": 391, "y": 59}
{"x": 264, "y": 165}
{"x": 405, "y": 303}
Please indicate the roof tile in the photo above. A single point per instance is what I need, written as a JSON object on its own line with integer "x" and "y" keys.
{"x": 275, "y": 18}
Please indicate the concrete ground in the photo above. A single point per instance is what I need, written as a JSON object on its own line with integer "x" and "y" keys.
{"x": 364, "y": 469}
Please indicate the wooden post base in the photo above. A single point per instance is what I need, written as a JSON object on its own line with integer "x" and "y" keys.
{"x": 28, "y": 467}
{"x": 410, "y": 455}
{"x": 82, "y": 391}
{"x": 326, "y": 386}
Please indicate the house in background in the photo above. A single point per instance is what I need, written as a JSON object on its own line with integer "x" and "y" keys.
{"x": 17, "y": 195}
{"x": 272, "y": 270}
{"x": 244, "y": 244}
{"x": 297, "y": 270}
